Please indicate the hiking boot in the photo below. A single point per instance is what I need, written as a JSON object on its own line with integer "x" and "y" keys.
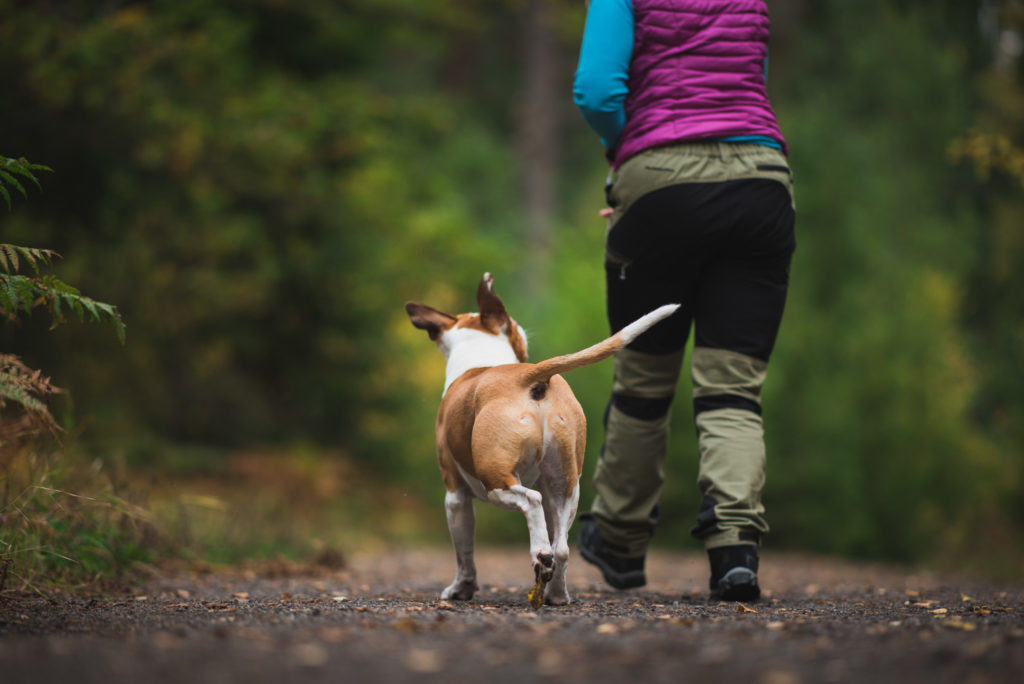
{"x": 621, "y": 572}
{"x": 734, "y": 573}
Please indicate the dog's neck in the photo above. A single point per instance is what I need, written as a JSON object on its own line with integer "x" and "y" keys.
{"x": 468, "y": 348}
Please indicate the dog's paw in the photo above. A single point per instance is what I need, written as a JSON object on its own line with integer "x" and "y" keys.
{"x": 460, "y": 591}
{"x": 556, "y": 598}
{"x": 544, "y": 567}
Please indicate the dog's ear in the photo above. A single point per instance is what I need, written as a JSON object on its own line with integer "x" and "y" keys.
{"x": 492, "y": 310}
{"x": 425, "y": 318}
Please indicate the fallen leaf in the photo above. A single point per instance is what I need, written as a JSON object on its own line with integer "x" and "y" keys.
{"x": 536, "y": 595}
{"x": 740, "y": 608}
{"x": 240, "y": 595}
{"x": 939, "y": 611}
{"x": 960, "y": 624}
{"x": 924, "y": 604}
{"x": 607, "y": 628}
{"x": 965, "y": 598}
{"x": 775, "y": 625}
{"x": 982, "y": 610}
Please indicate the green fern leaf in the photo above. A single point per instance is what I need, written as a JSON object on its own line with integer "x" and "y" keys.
{"x": 114, "y": 317}
{"x": 8, "y": 295}
{"x": 7, "y": 195}
{"x": 34, "y": 256}
{"x": 8, "y": 179}
{"x": 28, "y": 293}
{"x": 90, "y": 306}
{"x": 23, "y": 168}
{"x": 10, "y": 256}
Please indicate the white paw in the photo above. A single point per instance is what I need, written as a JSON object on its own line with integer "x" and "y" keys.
{"x": 460, "y": 591}
{"x": 555, "y": 598}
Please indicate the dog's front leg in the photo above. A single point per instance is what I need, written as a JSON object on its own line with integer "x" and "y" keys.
{"x": 458, "y": 506}
{"x": 530, "y": 503}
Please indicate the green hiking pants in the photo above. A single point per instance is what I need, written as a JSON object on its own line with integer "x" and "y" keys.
{"x": 709, "y": 226}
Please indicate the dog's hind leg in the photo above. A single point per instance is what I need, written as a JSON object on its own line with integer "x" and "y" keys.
{"x": 560, "y": 510}
{"x": 458, "y": 506}
{"x": 530, "y": 503}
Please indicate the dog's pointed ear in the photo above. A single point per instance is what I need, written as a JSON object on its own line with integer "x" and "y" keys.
{"x": 492, "y": 309}
{"x": 426, "y": 318}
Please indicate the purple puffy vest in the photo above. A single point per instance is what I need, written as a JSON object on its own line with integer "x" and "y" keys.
{"x": 697, "y": 73}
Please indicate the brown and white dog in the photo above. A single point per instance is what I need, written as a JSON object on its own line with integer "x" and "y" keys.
{"x": 505, "y": 426}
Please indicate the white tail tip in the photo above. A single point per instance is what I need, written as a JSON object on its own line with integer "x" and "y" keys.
{"x": 640, "y": 325}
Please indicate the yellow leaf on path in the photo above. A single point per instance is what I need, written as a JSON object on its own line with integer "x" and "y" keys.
{"x": 241, "y": 595}
{"x": 965, "y": 598}
{"x": 960, "y": 624}
{"x": 740, "y": 608}
{"x": 940, "y": 611}
{"x": 536, "y": 595}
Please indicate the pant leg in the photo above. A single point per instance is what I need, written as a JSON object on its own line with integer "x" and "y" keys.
{"x": 740, "y": 304}
{"x": 631, "y": 468}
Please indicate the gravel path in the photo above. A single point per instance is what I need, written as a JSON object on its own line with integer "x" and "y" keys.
{"x": 380, "y": 620}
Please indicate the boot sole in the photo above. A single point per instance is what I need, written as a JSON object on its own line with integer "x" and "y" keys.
{"x": 619, "y": 580}
{"x": 739, "y": 584}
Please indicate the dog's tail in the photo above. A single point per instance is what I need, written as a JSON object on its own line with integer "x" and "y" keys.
{"x": 542, "y": 372}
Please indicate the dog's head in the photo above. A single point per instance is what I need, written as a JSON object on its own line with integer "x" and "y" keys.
{"x": 493, "y": 321}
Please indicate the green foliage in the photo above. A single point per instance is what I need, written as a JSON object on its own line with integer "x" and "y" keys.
{"x": 11, "y": 169}
{"x": 64, "y": 524}
{"x": 21, "y": 294}
{"x": 269, "y": 182}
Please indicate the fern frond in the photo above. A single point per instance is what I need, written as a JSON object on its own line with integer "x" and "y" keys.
{"x": 9, "y": 168}
{"x": 20, "y": 293}
{"x": 33, "y": 255}
{"x": 26, "y": 388}
{"x": 11, "y": 392}
{"x": 10, "y": 255}
{"x": 10, "y": 297}
{"x": 24, "y": 168}
{"x": 8, "y": 179}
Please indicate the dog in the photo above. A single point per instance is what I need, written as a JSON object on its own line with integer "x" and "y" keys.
{"x": 511, "y": 433}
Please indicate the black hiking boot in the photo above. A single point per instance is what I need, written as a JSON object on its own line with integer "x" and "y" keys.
{"x": 734, "y": 573}
{"x": 619, "y": 571}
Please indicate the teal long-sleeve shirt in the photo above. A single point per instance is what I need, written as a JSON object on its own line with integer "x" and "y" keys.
{"x": 600, "y": 88}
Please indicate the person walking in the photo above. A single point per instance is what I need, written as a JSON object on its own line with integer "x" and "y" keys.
{"x": 701, "y": 212}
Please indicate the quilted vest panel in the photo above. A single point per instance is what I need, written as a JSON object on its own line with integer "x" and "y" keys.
{"x": 697, "y": 73}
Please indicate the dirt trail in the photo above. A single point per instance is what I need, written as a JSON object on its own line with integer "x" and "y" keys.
{"x": 380, "y": 620}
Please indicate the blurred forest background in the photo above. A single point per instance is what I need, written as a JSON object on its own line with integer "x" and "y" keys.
{"x": 259, "y": 186}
